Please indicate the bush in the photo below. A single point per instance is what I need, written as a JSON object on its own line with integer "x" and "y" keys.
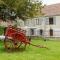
{"x": 1, "y": 30}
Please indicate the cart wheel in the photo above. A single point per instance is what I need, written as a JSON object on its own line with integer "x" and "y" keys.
{"x": 17, "y": 44}
{"x": 8, "y": 43}
{"x": 23, "y": 45}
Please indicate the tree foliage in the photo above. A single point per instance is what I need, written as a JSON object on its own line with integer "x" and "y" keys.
{"x": 24, "y": 8}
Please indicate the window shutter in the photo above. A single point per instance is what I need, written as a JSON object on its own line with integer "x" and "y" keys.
{"x": 54, "y": 20}
{"x": 40, "y": 21}
{"x": 47, "y": 21}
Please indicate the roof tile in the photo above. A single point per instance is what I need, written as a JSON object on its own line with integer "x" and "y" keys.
{"x": 51, "y": 10}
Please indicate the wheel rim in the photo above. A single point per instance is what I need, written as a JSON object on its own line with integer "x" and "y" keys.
{"x": 17, "y": 44}
{"x": 8, "y": 43}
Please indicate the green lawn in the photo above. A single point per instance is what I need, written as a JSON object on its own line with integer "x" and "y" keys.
{"x": 33, "y": 53}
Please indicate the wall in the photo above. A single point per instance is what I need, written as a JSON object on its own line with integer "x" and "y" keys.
{"x": 43, "y": 24}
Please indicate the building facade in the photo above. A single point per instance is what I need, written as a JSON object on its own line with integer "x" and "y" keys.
{"x": 47, "y": 25}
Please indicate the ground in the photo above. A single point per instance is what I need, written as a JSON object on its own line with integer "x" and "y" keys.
{"x": 33, "y": 53}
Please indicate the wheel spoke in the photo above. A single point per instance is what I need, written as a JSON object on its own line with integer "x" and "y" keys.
{"x": 8, "y": 44}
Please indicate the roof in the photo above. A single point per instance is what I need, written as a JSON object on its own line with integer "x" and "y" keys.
{"x": 50, "y": 10}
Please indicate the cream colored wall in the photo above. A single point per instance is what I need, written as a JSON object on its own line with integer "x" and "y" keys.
{"x": 44, "y": 25}
{"x": 55, "y": 27}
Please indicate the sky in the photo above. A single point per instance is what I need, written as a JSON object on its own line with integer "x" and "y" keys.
{"x": 49, "y": 2}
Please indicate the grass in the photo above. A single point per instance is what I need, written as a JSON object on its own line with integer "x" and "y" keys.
{"x": 33, "y": 53}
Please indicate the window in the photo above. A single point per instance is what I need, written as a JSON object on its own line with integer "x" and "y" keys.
{"x": 41, "y": 32}
{"x": 32, "y": 31}
{"x": 51, "y": 20}
{"x": 37, "y": 21}
{"x": 51, "y": 32}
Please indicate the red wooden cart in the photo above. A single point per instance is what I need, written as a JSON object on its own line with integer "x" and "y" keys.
{"x": 16, "y": 37}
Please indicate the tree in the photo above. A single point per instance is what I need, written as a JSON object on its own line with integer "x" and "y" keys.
{"x": 38, "y": 7}
{"x": 7, "y": 7}
{"x": 24, "y": 8}
{"x": 9, "y": 3}
{"x": 28, "y": 9}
